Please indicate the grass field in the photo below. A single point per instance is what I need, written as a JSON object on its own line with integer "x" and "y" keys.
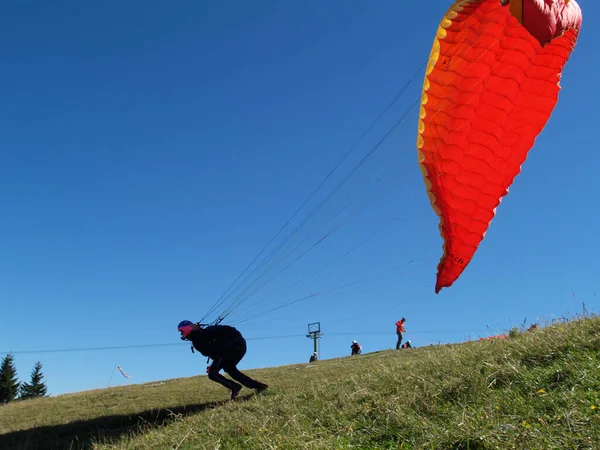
{"x": 535, "y": 390}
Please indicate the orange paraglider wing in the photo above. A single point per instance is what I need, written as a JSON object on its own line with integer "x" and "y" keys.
{"x": 490, "y": 86}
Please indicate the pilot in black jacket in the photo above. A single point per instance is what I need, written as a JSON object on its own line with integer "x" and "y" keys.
{"x": 226, "y": 346}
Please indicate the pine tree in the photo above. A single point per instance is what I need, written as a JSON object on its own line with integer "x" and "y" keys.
{"x": 37, "y": 387}
{"x": 9, "y": 385}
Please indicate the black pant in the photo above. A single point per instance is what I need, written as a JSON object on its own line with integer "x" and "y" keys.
{"x": 228, "y": 362}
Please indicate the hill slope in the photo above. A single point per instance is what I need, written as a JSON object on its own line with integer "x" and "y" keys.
{"x": 536, "y": 390}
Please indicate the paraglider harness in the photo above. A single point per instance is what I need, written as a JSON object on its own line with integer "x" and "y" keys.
{"x": 204, "y": 325}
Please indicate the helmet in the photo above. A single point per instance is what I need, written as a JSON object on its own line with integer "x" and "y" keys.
{"x": 185, "y": 327}
{"x": 354, "y": 342}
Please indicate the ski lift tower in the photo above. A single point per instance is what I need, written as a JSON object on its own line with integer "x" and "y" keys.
{"x": 314, "y": 333}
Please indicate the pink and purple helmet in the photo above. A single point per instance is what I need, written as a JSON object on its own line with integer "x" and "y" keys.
{"x": 185, "y": 327}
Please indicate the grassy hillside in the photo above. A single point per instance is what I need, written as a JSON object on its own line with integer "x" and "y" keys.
{"x": 536, "y": 390}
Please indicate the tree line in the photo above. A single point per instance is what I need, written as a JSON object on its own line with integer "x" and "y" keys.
{"x": 12, "y": 389}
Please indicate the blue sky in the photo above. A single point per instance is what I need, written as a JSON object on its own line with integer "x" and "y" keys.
{"x": 150, "y": 151}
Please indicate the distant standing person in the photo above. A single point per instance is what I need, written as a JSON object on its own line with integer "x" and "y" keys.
{"x": 314, "y": 357}
{"x": 399, "y": 330}
{"x": 356, "y": 348}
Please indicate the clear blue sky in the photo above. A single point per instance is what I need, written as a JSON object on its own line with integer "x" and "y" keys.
{"x": 151, "y": 150}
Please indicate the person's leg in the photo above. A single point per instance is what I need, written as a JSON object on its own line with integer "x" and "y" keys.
{"x": 214, "y": 375}
{"x": 399, "y": 340}
{"x": 230, "y": 362}
{"x": 234, "y": 373}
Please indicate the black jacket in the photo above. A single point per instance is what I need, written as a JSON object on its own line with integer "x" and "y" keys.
{"x": 216, "y": 341}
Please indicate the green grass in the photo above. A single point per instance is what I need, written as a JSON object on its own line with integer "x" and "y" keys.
{"x": 535, "y": 390}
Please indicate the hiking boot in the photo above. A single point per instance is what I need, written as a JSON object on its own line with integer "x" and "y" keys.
{"x": 261, "y": 387}
{"x": 235, "y": 392}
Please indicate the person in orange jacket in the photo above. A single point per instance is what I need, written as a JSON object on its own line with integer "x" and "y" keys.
{"x": 399, "y": 330}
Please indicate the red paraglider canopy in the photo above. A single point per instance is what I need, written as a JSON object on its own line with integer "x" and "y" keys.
{"x": 491, "y": 84}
